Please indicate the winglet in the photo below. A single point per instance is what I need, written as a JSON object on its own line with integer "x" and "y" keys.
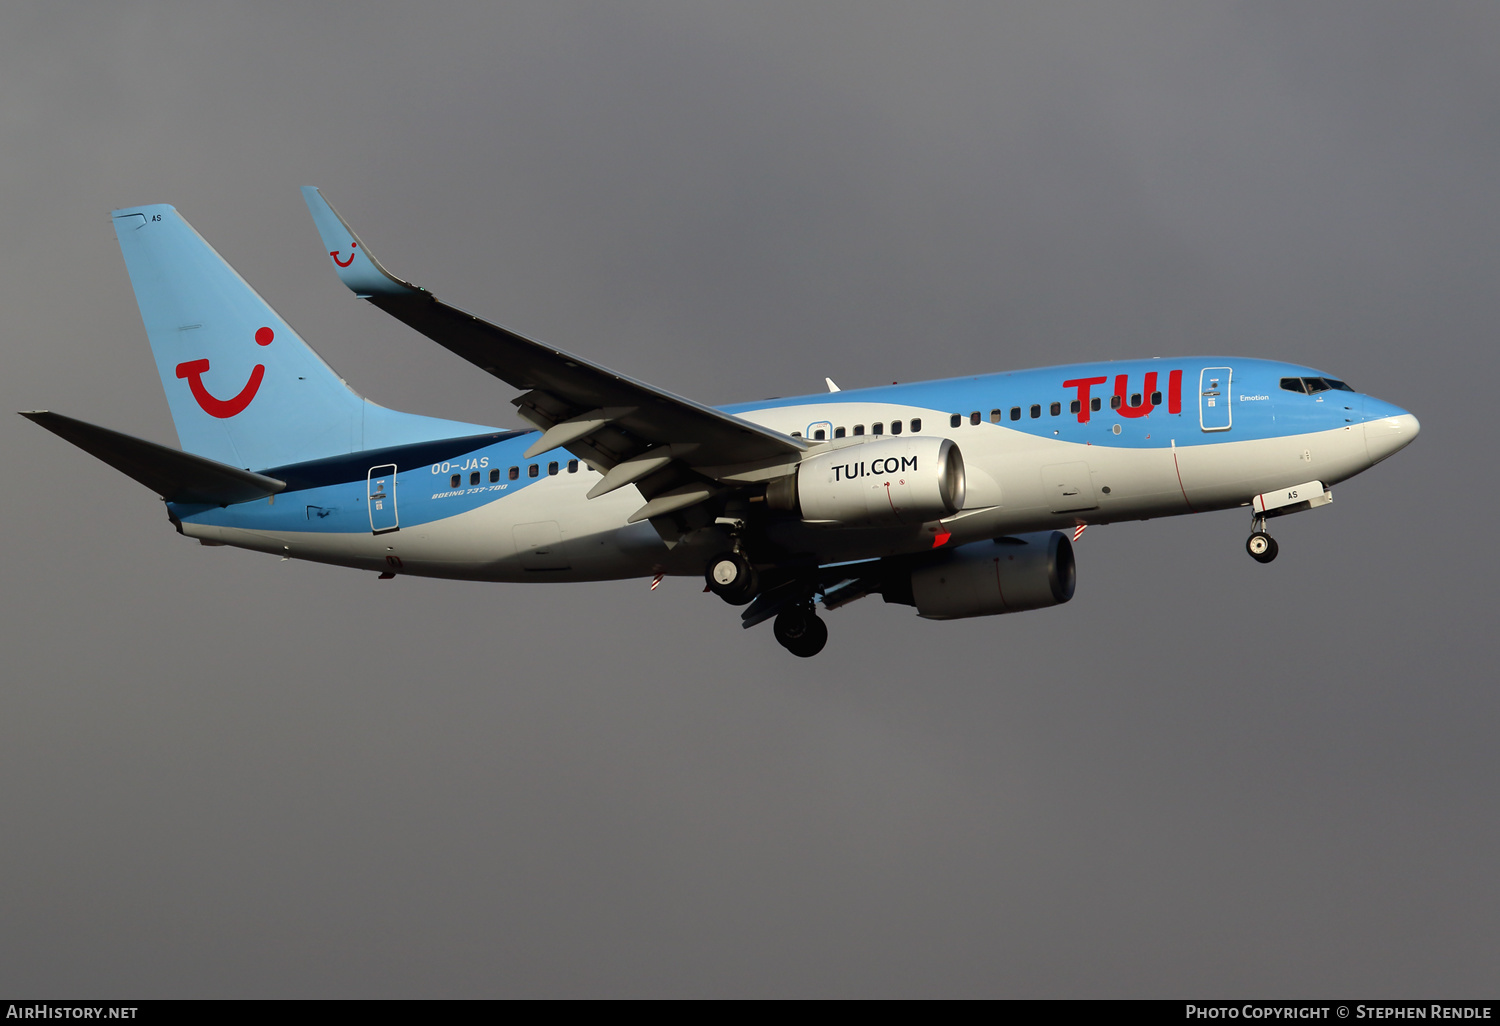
{"x": 352, "y": 259}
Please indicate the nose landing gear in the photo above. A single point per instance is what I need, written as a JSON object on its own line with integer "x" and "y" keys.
{"x": 1261, "y": 546}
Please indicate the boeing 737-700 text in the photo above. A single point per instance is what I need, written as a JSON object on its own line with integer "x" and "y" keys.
{"x": 960, "y": 497}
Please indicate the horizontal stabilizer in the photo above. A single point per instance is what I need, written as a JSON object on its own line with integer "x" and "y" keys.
{"x": 175, "y": 475}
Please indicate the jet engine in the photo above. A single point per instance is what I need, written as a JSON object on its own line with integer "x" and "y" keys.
{"x": 882, "y": 481}
{"x": 1006, "y": 575}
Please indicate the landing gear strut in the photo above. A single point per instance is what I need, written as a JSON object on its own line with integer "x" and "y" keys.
{"x": 799, "y": 630}
{"x": 1261, "y": 546}
{"x": 731, "y": 577}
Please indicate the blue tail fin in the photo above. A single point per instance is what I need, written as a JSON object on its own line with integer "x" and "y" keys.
{"x": 243, "y": 387}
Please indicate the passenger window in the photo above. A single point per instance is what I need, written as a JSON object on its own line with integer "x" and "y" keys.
{"x": 495, "y": 475}
{"x": 1135, "y": 399}
{"x": 552, "y": 469}
{"x": 859, "y": 429}
{"x": 974, "y": 417}
{"x": 474, "y": 478}
{"x": 572, "y": 466}
{"x": 877, "y": 428}
{"x": 1155, "y": 398}
{"x": 916, "y": 424}
{"x": 955, "y": 420}
{"x": 1114, "y": 402}
{"x": 515, "y": 473}
{"x": 895, "y": 427}
{"x": 456, "y": 480}
{"x": 1055, "y": 409}
{"x": 838, "y": 432}
{"x": 1036, "y": 410}
{"x": 1075, "y": 406}
{"x": 1015, "y": 413}
{"x": 996, "y": 416}
{"x": 796, "y": 434}
{"x": 820, "y": 435}
{"x": 1094, "y": 404}
{"x": 531, "y": 471}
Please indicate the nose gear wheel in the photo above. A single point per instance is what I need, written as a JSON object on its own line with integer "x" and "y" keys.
{"x": 1261, "y": 546}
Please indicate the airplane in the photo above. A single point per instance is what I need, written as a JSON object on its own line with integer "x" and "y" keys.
{"x": 959, "y": 497}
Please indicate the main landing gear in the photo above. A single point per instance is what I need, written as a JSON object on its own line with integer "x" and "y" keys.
{"x": 797, "y": 626}
{"x": 1261, "y": 546}
{"x": 800, "y": 631}
{"x": 731, "y": 577}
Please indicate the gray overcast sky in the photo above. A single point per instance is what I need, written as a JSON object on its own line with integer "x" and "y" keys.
{"x": 221, "y": 774}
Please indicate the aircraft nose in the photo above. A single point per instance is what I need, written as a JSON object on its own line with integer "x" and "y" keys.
{"x": 1389, "y": 434}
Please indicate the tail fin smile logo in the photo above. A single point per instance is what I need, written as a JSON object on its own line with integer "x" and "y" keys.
{"x": 225, "y": 408}
{"x": 344, "y": 263}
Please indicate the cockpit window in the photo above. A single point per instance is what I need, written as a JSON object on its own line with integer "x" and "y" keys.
{"x": 1312, "y": 386}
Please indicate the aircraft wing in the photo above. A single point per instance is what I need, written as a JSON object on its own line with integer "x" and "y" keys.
{"x": 678, "y": 452}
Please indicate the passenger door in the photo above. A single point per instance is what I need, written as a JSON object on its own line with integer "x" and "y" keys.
{"x": 1214, "y": 412}
{"x": 382, "y": 493}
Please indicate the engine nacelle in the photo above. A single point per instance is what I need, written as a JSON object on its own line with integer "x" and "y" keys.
{"x": 1006, "y": 575}
{"x": 883, "y": 481}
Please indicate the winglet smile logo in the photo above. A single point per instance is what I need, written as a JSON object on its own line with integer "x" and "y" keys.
{"x": 225, "y": 408}
{"x": 344, "y": 263}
